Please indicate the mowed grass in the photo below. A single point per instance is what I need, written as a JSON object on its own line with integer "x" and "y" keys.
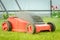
{"x": 5, "y": 35}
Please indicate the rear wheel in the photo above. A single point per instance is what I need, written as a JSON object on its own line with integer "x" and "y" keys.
{"x": 31, "y": 29}
{"x": 6, "y": 26}
{"x": 52, "y": 26}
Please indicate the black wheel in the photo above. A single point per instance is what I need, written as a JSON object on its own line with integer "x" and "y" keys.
{"x": 52, "y": 26}
{"x": 30, "y": 28}
{"x": 7, "y": 26}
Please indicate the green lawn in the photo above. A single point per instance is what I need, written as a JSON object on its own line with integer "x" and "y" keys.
{"x": 5, "y": 35}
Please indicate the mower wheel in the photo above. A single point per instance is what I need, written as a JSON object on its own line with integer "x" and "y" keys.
{"x": 52, "y": 26}
{"x": 30, "y": 28}
{"x": 7, "y": 26}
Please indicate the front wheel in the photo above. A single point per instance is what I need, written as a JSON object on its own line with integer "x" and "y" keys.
{"x": 6, "y": 26}
{"x": 52, "y": 26}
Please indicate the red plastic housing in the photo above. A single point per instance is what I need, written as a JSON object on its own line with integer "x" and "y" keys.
{"x": 19, "y": 25}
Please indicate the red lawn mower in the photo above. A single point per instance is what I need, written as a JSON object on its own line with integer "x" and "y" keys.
{"x": 27, "y": 23}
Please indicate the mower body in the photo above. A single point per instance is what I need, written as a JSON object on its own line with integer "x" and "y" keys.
{"x": 22, "y": 25}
